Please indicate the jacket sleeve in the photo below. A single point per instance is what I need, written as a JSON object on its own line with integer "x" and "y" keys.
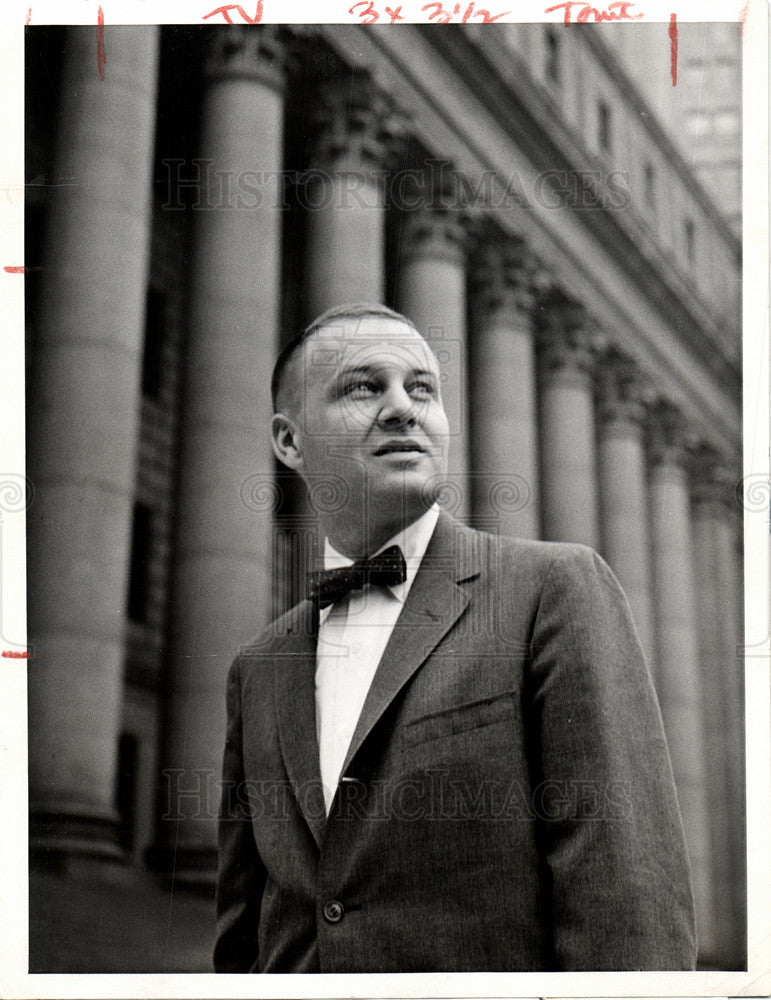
{"x": 615, "y": 862}
{"x": 241, "y": 874}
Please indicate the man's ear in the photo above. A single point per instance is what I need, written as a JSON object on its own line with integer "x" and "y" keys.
{"x": 287, "y": 441}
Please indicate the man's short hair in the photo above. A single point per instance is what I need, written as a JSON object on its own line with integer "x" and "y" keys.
{"x": 355, "y": 310}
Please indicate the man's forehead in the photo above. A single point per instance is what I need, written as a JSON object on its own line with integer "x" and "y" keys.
{"x": 371, "y": 342}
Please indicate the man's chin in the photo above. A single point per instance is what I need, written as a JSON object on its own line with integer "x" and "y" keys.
{"x": 407, "y": 488}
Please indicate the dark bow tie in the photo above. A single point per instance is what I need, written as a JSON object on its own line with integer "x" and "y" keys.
{"x": 385, "y": 570}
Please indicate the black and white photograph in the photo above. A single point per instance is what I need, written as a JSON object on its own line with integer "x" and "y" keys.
{"x": 394, "y": 500}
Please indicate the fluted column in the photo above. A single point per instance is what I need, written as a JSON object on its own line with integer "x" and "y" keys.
{"x": 718, "y": 607}
{"x": 431, "y": 291}
{"x": 83, "y": 428}
{"x": 345, "y": 196}
{"x": 222, "y": 567}
{"x": 679, "y": 680}
{"x": 504, "y": 431}
{"x": 568, "y": 440}
{"x": 625, "y": 526}
{"x": 344, "y": 202}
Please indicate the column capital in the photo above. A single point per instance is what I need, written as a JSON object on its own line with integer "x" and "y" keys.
{"x": 713, "y": 481}
{"x": 623, "y": 391}
{"x": 257, "y": 53}
{"x": 435, "y": 233}
{"x": 437, "y": 229}
{"x": 670, "y": 436}
{"x": 501, "y": 279}
{"x": 566, "y": 335}
{"x": 356, "y": 124}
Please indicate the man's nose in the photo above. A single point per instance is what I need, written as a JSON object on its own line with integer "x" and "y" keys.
{"x": 397, "y": 406}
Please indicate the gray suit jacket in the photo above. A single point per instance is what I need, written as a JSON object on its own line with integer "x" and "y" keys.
{"x": 507, "y": 801}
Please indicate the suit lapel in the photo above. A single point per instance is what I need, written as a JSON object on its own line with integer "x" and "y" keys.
{"x": 295, "y": 689}
{"x": 433, "y": 605}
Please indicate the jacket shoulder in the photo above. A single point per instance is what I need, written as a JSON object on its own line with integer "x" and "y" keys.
{"x": 531, "y": 555}
{"x": 289, "y": 635}
{"x": 287, "y": 623}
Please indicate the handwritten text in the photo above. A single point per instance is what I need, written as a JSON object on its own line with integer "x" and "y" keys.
{"x": 368, "y": 13}
{"x": 236, "y": 8}
{"x": 617, "y": 11}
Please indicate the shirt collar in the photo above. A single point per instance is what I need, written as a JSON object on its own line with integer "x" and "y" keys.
{"x": 412, "y": 540}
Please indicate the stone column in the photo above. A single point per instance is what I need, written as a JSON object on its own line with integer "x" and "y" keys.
{"x": 431, "y": 291}
{"x": 625, "y": 526}
{"x": 344, "y": 202}
{"x": 568, "y": 437}
{"x": 345, "y": 196}
{"x": 718, "y": 608}
{"x": 222, "y": 593}
{"x": 679, "y": 680}
{"x": 504, "y": 431}
{"x": 83, "y": 426}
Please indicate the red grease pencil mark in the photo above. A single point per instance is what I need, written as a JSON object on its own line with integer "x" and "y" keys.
{"x": 743, "y": 15}
{"x": 14, "y": 268}
{"x": 617, "y": 11}
{"x": 673, "y": 47}
{"x": 14, "y": 654}
{"x": 101, "y": 54}
{"x": 225, "y": 11}
{"x": 29, "y": 16}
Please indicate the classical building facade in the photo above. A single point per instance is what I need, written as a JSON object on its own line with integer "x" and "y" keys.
{"x": 205, "y": 192}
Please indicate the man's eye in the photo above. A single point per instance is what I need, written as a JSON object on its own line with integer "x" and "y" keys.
{"x": 360, "y": 388}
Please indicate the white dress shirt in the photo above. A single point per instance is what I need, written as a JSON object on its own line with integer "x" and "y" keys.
{"x": 353, "y": 634}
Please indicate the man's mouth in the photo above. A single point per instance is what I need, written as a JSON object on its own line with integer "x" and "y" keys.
{"x": 406, "y": 446}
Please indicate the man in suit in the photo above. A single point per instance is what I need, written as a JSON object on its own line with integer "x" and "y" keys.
{"x": 449, "y": 757}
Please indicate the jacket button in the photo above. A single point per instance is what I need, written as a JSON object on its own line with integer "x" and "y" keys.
{"x": 333, "y": 911}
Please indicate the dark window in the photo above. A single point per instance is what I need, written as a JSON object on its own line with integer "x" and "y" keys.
{"x": 650, "y": 187}
{"x": 552, "y": 56}
{"x": 603, "y": 120}
{"x": 141, "y": 539}
{"x": 155, "y": 327}
{"x": 690, "y": 241}
{"x": 126, "y": 789}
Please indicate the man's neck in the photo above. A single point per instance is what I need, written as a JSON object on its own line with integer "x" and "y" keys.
{"x": 357, "y": 541}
